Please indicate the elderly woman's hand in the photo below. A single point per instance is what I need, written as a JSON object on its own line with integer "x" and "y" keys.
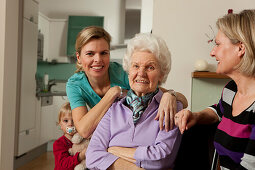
{"x": 185, "y": 119}
{"x": 167, "y": 110}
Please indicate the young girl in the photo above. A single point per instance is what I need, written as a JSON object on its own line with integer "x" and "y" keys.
{"x": 63, "y": 160}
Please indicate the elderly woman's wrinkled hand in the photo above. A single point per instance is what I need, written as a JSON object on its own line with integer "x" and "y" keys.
{"x": 185, "y": 119}
{"x": 167, "y": 110}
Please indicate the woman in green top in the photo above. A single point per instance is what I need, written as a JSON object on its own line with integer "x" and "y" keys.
{"x": 98, "y": 82}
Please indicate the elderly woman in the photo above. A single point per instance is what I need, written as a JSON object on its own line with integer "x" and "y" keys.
{"x": 235, "y": 53}
{"x": 128, "y": 131}
{"x": 98, "y": 82}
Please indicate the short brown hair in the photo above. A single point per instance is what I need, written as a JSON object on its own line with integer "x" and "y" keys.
{"x": 87, "y": 34}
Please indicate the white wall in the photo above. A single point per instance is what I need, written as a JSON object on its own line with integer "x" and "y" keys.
{"x": 183, "y": 25}
{"x": 112, "y": 10}
{"x": 9, "y": 12}
{"x": 133, "y": 4}
{"x": 146, "y": 16}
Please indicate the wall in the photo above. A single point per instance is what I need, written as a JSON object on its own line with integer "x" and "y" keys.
{"x": 146, "y": 16}
{"x": 112, "y": 10}
{"x": 59, "y": 71}
{"x": 183, "y": 25}
{"x": 9, "y": 33}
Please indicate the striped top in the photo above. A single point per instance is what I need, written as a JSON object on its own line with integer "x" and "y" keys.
{"x": 235, "y": 135}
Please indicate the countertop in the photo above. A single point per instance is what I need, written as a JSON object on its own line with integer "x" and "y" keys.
{"x": 53, "y": 93}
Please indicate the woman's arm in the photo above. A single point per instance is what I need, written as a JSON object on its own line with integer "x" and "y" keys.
{"x": 123, "y": 164}
{"x": 248, "y": 159}
{"x": 179, "y": 96}
{"x": 123, "y": 152}
{"x": 157, "y": 156}
{"x": 185, "y": 119}
{"x": 97, "y": 156}
{"x": 167, "y": 108}
{"x": 86, "y": 121}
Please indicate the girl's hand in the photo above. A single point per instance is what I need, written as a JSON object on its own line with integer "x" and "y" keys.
{"x": 167, "y": 110}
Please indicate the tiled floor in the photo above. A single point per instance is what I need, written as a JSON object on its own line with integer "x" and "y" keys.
{"x": 43, "y": 162}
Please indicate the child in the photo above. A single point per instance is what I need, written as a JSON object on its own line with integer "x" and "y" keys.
{"x": 63, "y": 160}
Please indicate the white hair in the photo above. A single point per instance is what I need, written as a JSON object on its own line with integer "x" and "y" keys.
{"x": 153, "y": 44}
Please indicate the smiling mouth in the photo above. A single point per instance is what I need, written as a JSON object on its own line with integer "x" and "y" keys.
{"x": 97, "y": 67}
{"x": 142, "y": 81}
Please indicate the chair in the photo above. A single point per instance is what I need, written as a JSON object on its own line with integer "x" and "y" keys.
{"x": 197, "y": 150}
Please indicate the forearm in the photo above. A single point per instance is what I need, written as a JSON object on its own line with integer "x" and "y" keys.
{"x": 96, "y": 154}
{"x": 206, "y": 116}
{"x": 123, "y": 152}
{"x": 123, "y": 164}
{"x": 179, "y": 96}
{"x": 87, "y": 121}
{"x": 82, "y": 154}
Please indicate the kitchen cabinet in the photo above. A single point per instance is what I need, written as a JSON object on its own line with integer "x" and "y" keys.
{"x": 206, "y": 89}
{"x": 76, "y": 24}
{"x": 28, "y": 103}
{"x": 46, "y": 123}
{"x": 58, "y": 40}
{"x": 44, "y": 28}
{"x": 58, "y": 101}
{"x": 31, "y": 11}
{"x": 49, "y": 118}
{"x": 55, "y": 38}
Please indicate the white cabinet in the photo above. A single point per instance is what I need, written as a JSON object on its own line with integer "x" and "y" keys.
{"x": 31, "y": 11}
{"x": 28, "y": 70}
{"x": 27, "y": 111}
{"x": 58, "y": 101}
{"x": 44, "y": 28}
{"x": 49, "y": 119}
{"x": 55, "y": 38}
{"x": 58, "y": 39}
{"x": 47, "y": 123}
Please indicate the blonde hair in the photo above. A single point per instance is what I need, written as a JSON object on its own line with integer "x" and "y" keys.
{"x": 241, "y": 28}
{"x": 151, "y": 43}
{"x": 87, "y": 34}
{"x": 65, "y": 109}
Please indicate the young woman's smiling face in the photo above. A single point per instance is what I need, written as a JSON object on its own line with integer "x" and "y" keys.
{"x": 227, "y": 55}
{"x": 95, "y": 58}
{"x": 144, "y": 73}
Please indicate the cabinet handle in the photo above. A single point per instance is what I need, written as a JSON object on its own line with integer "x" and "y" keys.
{"x": 27, "y": 132}
{"x": 31, "y": 19}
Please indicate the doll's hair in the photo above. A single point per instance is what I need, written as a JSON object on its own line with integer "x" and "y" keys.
{"x": 65, "y": 109}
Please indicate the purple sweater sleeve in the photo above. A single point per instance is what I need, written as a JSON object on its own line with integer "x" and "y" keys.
{"x": 163, "y": 153}
{"x": 97, "y": 156}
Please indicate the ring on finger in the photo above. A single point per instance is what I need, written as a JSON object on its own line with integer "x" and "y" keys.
{"x": 121, "y": 92}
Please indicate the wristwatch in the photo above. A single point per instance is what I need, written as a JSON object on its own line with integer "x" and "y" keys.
{"x": 172, "y": 92}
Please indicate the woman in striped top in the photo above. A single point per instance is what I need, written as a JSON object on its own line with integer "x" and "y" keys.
{"x": 235, "y": 53}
